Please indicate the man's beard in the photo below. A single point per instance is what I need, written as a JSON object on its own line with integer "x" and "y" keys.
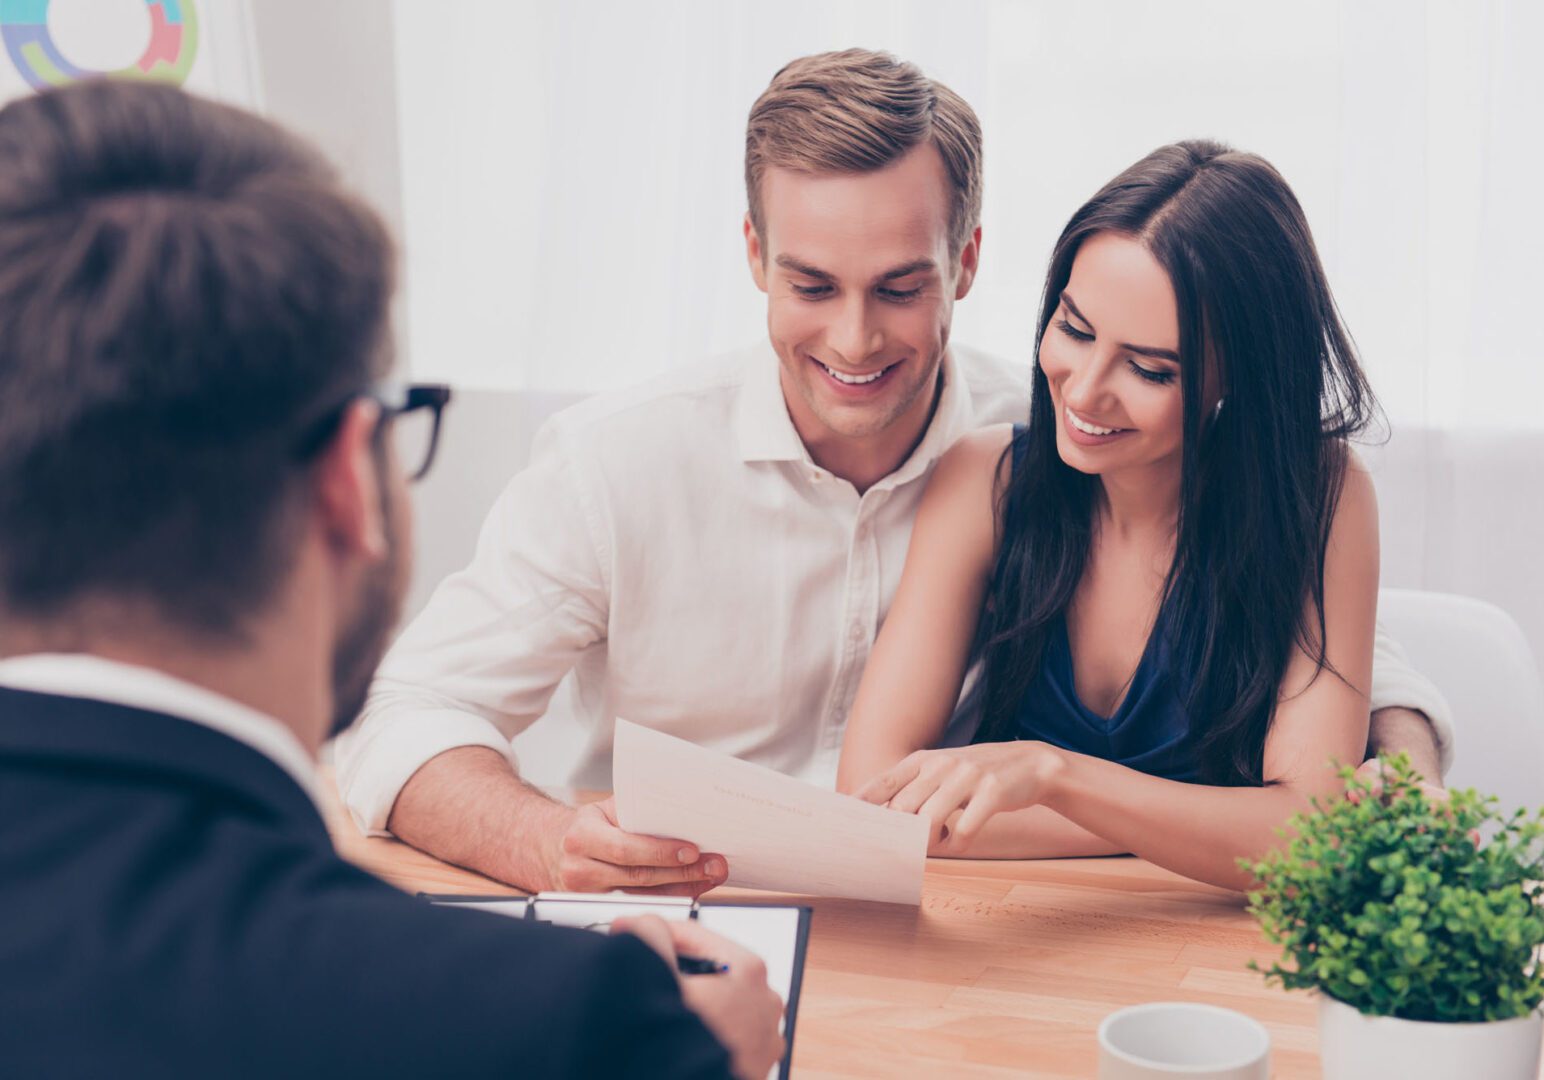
{"x": 363, "y": 641}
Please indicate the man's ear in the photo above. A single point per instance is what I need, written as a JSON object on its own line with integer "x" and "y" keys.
{"x": 970, "y": 258}
{"x": 348, "y": 487}
{"x": 754, "y": 255}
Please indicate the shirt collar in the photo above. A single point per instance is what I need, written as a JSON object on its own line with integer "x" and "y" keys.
{"x": 953, "y": 416}
{"x": 95, "y": 678}
{"x": 766, "y": 432}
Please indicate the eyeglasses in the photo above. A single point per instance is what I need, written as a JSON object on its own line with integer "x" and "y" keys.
{"x": 410, "y": 416}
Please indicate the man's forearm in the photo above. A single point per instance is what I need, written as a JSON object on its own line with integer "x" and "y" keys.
{"x": 467, "y": 806}
{"x": 1395, "y": 729}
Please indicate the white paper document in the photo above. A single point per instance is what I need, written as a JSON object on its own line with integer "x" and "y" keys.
{"x": 777, "y": 832}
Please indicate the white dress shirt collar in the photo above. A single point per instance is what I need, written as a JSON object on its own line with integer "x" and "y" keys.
{"x": 81, "y": 675}
{"x": 766, "y": 432}
{"x": 762, "y": 423}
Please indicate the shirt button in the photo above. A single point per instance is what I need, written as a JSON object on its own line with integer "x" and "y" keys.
{"x": 855, "y": 632}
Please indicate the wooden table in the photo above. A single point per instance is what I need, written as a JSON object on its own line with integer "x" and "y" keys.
{"x": 1005, "y": 970}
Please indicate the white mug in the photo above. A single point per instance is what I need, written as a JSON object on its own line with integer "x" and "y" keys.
{"x": 1179, "y": 1040}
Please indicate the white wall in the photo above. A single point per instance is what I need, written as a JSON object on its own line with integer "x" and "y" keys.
{"x": 328, "y": 71}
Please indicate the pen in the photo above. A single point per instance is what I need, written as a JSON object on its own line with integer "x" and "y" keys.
{"x": 699, "y": 965}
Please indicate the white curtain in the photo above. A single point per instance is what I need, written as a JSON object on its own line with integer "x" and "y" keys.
{"x": 572, "y": 198}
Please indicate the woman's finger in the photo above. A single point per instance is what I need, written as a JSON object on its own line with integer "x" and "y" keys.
{"x": 982, "y": 805}
{"x": 911, "y": 797}
{"x": 950, "y": 796}
{"x": 880, "y": 789}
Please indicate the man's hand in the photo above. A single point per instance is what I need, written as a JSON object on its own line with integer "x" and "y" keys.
{"x": 468, "y": 807}
{"x": 737, "y": 1006}
{"x": 1371, "y": 772}
{"x": 1396, "y": 729}
{"x": 594, "y": 855}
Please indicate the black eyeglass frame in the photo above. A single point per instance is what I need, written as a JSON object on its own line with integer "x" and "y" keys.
{"x": 394, "y": 399}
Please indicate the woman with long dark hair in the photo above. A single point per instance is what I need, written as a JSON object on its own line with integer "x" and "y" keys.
{"x": 1169, "y": 574}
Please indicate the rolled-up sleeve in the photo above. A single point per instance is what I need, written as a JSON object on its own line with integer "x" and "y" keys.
{"x": 1397, "y": 685}
{"x": 481, "y": 662}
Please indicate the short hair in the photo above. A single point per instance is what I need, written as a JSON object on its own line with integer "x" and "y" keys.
{"x": 184, "y": 288}
{"x": 857, "y": 111}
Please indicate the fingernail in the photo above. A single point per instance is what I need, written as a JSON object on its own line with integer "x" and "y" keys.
{"x": 686, "y": 855}
{"x": 714, "y": 868}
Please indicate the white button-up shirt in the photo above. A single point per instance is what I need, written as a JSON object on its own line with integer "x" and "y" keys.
{"x": 677, "y": 550}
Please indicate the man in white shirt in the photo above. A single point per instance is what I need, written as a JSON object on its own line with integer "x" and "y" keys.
{"x": 712, "y": 554}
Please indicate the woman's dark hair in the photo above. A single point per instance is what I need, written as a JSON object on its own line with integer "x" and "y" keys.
{"x": 1261, "y": 476}
{"x": 183, "y": 286}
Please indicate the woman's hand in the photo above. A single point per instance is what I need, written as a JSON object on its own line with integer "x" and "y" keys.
{"x": 973, "y": 782}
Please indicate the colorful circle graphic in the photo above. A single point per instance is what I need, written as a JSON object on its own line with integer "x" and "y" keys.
{"x": 168, "y": 56}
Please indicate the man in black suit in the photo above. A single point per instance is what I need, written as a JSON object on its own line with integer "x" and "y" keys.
{"x": 204, "y": 540}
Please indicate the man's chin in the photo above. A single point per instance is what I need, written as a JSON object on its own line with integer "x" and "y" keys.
{"x": 859, "y": 420}
{"x": 857, "y": 428}
{"x": 355, "y": 670}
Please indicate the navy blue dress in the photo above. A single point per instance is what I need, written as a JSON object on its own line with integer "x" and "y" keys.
{"x": 1150, "y": 731}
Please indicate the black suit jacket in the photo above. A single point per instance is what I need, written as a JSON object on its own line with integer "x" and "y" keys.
{"x": 171, "y": 905}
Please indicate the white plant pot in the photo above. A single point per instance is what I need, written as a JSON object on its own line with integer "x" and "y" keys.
{"x": 1357, "y": 1047}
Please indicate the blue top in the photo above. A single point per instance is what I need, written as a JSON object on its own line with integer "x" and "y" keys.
{"x": 1151, "y": 729}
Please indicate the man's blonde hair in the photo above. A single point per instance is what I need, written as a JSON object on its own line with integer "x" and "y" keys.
{"x": 857, "y": 111}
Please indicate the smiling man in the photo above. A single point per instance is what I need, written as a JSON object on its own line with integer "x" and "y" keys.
{"x": 712, "y": 554}
{"x": 862, "y": 262}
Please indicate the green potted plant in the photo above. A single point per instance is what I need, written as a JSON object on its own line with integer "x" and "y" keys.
{"x": 1420, "y": 937}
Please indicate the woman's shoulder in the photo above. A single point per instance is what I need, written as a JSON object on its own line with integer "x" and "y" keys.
{"x": 962, "y": 492}
{"x": 992, "y": 439}
{"x": 1354, "y": 524}
{"x": 1358, "y": 496}
{"x": 979, "y": 457}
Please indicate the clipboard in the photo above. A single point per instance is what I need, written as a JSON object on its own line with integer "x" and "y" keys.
{"x": 778, "y": 933}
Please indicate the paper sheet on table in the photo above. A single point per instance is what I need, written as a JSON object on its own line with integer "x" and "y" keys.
{"x": 777, "y": 832}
